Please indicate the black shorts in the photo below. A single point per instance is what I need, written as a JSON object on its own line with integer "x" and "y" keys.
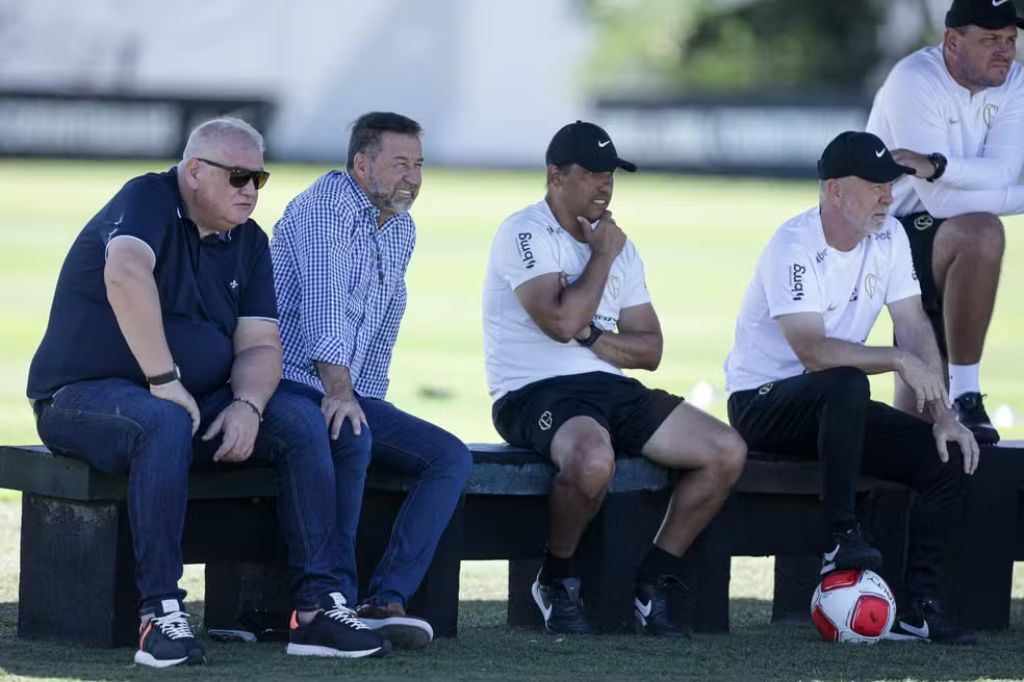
{"x": 921, "y": 229}
{"x": 631, "y": 412}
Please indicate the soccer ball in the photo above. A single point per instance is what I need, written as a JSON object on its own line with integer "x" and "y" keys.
{"x": 854, "y": 606}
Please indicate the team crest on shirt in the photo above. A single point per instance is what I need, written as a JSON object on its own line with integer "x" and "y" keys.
{"x": 615, "y": 286}
{"x": 923, "y": 222}
{"x": 545, "y": 420}
{"x": 989, "y": 113}
{"x": 871, "y": 284}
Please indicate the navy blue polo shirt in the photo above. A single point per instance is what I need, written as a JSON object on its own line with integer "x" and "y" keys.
{"x": 204, "y": 285}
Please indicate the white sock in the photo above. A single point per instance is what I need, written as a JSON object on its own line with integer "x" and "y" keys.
{"x": 963, "y": 379}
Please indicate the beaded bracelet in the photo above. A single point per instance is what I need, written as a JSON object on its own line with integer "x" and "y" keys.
{"x": 250, "y": 404}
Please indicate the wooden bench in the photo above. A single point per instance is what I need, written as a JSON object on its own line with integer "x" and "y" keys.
{"x": 75, "y": 535}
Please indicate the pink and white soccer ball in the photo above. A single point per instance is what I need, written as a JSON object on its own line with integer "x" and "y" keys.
{"x": 854, "y": 606}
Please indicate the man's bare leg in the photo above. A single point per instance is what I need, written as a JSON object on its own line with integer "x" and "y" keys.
{"x": 966, "y": 262}
{"x": 713, "y": 455}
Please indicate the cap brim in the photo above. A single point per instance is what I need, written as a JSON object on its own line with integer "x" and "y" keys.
{"x": 891, "y": 174}
{"x": 608, "y": 165}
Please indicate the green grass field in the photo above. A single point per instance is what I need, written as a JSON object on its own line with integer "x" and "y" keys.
{"x": 699, "y": 239}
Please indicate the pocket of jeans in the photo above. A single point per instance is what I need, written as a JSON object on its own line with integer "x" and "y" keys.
{"x": 105, "y": 441}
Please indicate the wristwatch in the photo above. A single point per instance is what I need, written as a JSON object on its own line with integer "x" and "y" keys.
{"x": 939, "y": 161}
{"x": 595, "y": 334}
{"x": 165, "y": 378}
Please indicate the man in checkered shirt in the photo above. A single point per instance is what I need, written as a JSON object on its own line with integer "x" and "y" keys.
{"x": 340, "y": 253}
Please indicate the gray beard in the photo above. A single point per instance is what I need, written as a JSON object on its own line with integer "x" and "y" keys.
{"x": 384, "y": 202}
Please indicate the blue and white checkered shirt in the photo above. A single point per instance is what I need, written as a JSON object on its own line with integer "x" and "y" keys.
{"x": 340, "y": 283}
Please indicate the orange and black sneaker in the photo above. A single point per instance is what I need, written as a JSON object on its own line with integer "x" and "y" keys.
{"x": 166, "y": 638}
{"x": 334, "y": 631}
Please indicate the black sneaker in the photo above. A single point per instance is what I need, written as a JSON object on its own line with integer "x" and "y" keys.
{"x": 852, "y": 550}
{"x": 254, "y": 625}
{"x": 657, "y": 607}
{"x": 166, "y": 639}
{"x": 335, "y": 631}
{"x": 394, "y": 624}
{"x": 971, "y": 413}
{"x": 560, "y": 605}
{"x": 924, "y": 622}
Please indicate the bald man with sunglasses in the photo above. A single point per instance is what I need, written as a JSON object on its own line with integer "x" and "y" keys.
{"x": 162, "y": 352}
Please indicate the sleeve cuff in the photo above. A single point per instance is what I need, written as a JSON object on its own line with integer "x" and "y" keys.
{"x": 329, "y": 349}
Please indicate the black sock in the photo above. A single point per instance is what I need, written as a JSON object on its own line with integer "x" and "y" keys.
{"x": 557, "y": 568}
{"x": 656, "y": 563}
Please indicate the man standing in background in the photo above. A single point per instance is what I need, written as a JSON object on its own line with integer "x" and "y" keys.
{"x": 955, "y": 114}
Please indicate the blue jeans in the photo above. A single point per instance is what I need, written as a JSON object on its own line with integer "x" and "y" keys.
{"x": 119, "y": 427}
{"x": 438, "y": 464}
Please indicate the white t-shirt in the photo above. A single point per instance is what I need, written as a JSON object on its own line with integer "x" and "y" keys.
{"x": 920, "y": 107}
{"x": 798, "y": 272}
{"x": 528, "y": 244}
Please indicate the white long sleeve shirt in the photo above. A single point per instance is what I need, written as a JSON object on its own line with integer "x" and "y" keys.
{"x": 920, "y": 107}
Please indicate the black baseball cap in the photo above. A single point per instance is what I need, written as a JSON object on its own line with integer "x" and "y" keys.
{"x": 587, "y": 145}
{"x": 860, "y": 154}
{"x": 991, "y": 14}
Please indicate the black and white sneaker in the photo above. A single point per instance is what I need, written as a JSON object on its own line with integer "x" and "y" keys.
{"x": 253, "y": 625}
{"x": 334, "y": 631}
{"x": 166, "y": 639}
{"x": 852, "y": 550}
{"x": 657, "y": 607}
{"x": 970, "y": 411}
{"x": 560, "y": 605}
{"x": 924, "y": 622}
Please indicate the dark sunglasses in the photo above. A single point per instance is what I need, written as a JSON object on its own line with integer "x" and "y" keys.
{"x": 240, "y": 177}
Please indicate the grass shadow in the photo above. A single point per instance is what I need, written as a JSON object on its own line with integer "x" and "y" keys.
{"x": 487, "y": 648}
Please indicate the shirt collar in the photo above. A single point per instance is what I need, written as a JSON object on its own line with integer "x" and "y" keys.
{"x": 362, "y": 201}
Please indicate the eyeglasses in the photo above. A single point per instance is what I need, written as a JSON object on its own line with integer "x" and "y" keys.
{"x": 240, "y": 177}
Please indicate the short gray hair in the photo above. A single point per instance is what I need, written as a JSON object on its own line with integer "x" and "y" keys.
{"x": 215, "y": 132}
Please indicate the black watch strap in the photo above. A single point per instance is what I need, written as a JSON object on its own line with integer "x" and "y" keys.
{"x": 165, "y": 378}
{"x": 595, "y": 334}
{"x": 940, "y": 162}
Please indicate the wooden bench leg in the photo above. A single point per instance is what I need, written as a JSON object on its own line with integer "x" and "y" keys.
{"x": 77, "y": 565}
{"x": 979, "y": 573}
{"x": 796, "y": 577}
{"x": 708, "y": 567}
{"x": 522, "y": 611}
{"x": 249, "y": 596}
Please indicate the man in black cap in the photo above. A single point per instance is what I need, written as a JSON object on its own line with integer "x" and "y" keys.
{"x": 797, "y": 372}
{"x": 565, "y": 310}
{"x": 955, "y": 113}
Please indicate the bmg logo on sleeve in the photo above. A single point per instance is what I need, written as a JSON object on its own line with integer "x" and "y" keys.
{"x": 524, "y": 249}
{"x": 796, "y": 281}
